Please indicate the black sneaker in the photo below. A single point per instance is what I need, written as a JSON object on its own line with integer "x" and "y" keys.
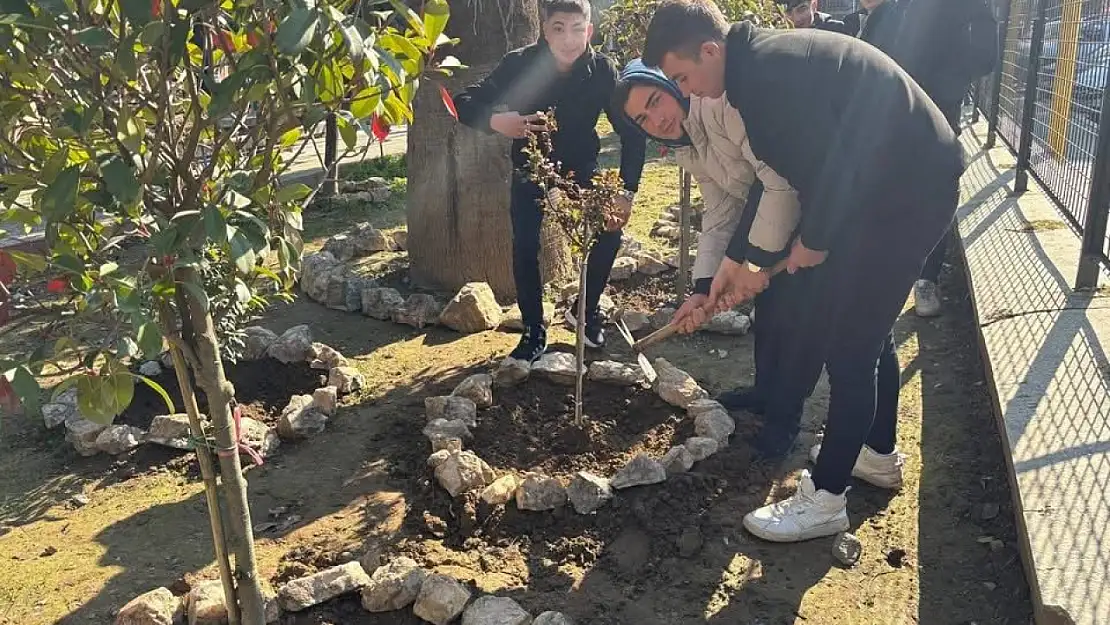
{"x": 746, "y": 398}
{"x": 532, "y": 345}
{"x": 595, "y": 334}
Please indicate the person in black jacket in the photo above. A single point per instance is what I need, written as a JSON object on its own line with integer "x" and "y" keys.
{"x": 560, "y": 71}
{"x": 877, "y": 168}
{"x": 804, "y": 14}
{"x": 944, "y": 45}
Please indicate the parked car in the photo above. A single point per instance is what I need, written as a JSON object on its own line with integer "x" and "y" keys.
{"x": 1094, "y": 34}
{"x": 1090, "y": 81}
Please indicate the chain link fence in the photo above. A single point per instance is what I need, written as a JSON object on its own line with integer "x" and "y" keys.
{"x": 1046, "y": 101}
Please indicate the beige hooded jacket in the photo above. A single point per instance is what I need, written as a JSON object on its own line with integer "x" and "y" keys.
{"x": 724, "y": 166}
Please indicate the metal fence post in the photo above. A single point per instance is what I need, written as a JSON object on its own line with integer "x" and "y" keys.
{"x": 976, "y": 100}
{"x": 1098, "y": 205}
{"x": 1025, "y": 141}
{"x": 996, "y": 77}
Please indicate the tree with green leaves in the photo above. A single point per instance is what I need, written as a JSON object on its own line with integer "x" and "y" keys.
{"x": 624, "y": 23}
{"x": 147, "y": 140}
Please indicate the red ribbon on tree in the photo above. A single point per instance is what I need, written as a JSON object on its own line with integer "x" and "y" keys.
{"x": 237, "y": 419}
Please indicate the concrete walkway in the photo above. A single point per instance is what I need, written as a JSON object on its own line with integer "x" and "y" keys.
{"x": 1045, "y": 350}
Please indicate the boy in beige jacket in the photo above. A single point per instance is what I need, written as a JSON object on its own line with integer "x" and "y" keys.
{"x": 710, "y": 143}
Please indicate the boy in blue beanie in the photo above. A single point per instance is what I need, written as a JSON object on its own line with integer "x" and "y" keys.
{"x": 710, "y": 139}
{"x": 559, "y": 71}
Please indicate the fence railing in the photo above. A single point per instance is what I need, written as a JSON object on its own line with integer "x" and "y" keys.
{"x": 1048, "y": 100}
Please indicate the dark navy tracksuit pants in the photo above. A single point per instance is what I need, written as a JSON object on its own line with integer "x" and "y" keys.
{"x": 527, "y": 218}
{"x": 860, "y": 295}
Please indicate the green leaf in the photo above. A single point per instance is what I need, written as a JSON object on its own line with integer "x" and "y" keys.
{"x": 354, "y": 37}
{"x": 60, "y": 198}
{"x": 89, "y": 402}
{"x": 435, "y": 18}
{"x": 120, "y": 392}
{"x": 393, "y": 65}
{"x": 400, "y": 45}
{"x": 27, "y": 388}
{"x": 70, "y": 263}
{"x": 165, "y": 240}
{"x": 107, "y": 269}
{"x": 138, "y": 11}
{"x": 297, "y": 30}
{"x": 33, "y": 262}
{"x": 293, "y": 192}
{"x": 197, "y": 293}
{"x": 410, "y": 16}
{"x": 63, "y": 386}
{"x": 95, "y": 38}
{"x": 365, "y": 104}
{"x": 157, "y": 388}
{"x": 120, "y": 180}
{"x": 215, "y": 226}
{"x": 149, "y": 337}
{"x": 295, "y": 219}
{"x": 225, "y": 93}
{"x": 347, "y": 131}
{"x": 290, "y": 137}
{"x": 152, "y": 33}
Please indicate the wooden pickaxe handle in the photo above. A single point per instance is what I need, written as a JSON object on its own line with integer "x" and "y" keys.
{"x": 670, "y": 329}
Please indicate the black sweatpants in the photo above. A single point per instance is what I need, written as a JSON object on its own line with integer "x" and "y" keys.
{"x": 935, "y": 262}
{"x": 866, "y": 281}
{"x": 527, "y": 218}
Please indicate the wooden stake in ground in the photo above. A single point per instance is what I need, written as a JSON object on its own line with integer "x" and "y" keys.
{"x": 208, "y": 475}
{"x": 684, "y": 234}
{"x": 580, "y": 345}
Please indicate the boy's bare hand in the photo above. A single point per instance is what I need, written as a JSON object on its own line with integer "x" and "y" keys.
{"x": 516, "y": 126}
{"x": 691, "y": 315}
{"x": 622, "y": 210}
{"x": 801, "y": 257}
{"x": 734, "y": 284}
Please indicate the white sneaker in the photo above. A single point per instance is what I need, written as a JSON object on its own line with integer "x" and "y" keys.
{"x": 882, "y": 470}
{"x": 808, "y": 513}
{"x": 926, "y": 299}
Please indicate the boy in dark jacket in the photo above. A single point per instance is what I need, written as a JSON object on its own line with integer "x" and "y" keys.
{"x": 944, "y": 45}
{"x": 804, "y": 14}
{"x": 877, "y": 168}
{"x": 560, "y": 71}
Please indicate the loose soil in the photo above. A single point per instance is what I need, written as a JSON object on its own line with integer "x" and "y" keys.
{"x": 262, "y": 389}
{"x": 532, "y": 429}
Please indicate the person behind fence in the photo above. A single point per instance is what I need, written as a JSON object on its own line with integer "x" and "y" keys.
{"x": 740, "y": 194}
{"x": 559, "y": 71}
{"x": 804, "y": 14}
{"x": 945, "y": 45}
{"x": 873, "y": 205}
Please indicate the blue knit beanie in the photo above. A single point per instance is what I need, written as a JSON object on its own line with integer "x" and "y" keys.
{"x": 638, "y": 73}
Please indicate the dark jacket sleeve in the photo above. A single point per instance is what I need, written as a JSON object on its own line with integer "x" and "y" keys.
{"x": 739, "y": 248}
{"x": 476, "y": 103}
{"x": 633, "y": 142}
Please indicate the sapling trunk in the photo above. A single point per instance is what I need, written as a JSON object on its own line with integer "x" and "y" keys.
{"x": 580, "y": 344}
{"x": 211, "y": 495}
{"x": 201, "y": 337}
